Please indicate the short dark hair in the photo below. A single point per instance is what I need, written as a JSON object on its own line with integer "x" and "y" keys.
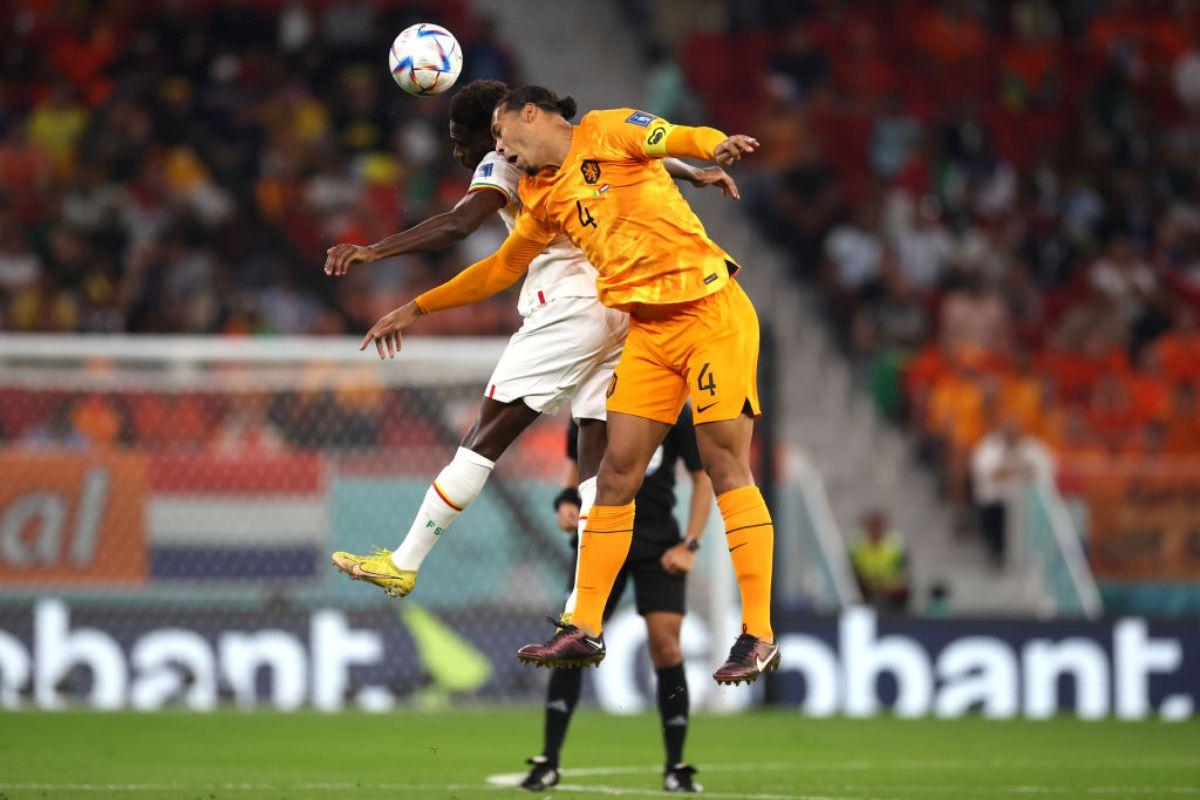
{"x": 473, "y": 104}
{"x": 541, "y": 97}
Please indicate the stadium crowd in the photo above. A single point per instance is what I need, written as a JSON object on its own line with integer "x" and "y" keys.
{"x": 999, "y": 202}
{"x": 184, "y": 169}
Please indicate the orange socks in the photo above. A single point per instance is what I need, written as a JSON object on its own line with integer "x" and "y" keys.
{"x": 602, "y": 551}
{"x": 751, "y": 539}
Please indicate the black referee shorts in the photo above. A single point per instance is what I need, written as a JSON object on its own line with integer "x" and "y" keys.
{"x": 654, "y": 589}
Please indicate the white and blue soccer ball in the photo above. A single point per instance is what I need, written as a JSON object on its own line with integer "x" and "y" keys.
{"x": 425, "y": 59}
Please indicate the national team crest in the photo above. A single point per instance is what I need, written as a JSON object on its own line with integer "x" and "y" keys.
{"x": 590, "y": 170}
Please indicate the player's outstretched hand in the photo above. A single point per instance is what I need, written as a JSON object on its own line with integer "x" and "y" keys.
{"x": 386, "y": 332}
{"x": 678, "y": 560}
{"x": 715, "y": 176}
{"x": 734, "y": 148}
{"x": 339, "y": 257}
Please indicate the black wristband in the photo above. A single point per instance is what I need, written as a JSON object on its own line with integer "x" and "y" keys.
{"x": 568, "y": 496}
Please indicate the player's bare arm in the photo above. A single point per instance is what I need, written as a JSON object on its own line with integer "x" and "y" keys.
{"x": 702, "y": 176}
{"x": 436, "y": 233}
{"x": 681, "y": 558}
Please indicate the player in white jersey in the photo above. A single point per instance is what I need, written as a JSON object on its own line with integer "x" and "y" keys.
{"x": 565, "y": 350}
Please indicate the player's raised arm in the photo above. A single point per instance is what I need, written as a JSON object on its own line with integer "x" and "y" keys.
{"x": 641, "y": 134}
{"x": 477, "y": 282}
{"x": 709, "y": 144}
{"x": 436, "y": 233}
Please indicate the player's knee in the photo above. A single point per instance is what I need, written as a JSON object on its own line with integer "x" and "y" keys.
{"x": 619, "y": 479}
{"x": 615, "y": 488}
{"x": 726, "y": 471}
{"x": 665, "y": 651}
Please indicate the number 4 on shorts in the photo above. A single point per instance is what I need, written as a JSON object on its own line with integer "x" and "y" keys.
{"x": 711, "y": 385}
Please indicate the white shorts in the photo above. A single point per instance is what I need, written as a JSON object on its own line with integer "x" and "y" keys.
{"x": 566, "y": 350}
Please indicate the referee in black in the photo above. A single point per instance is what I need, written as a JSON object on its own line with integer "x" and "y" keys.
{"x": 659, "y": 561}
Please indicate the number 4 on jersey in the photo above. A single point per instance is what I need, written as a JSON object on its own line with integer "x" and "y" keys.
{"x": 585, "y": 216}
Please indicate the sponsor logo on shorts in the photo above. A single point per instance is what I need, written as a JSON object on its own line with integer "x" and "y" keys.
{"x": 640, "y": 118}
{"x": 702, "y": 409}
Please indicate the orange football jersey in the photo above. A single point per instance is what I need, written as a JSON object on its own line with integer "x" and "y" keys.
{"x": 614, "y": 200}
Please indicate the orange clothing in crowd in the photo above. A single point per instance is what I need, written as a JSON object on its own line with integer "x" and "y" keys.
{"x": 1020, "y": 399}
{"x": 1180, "y": 353}
{"x": 1150, "y": 397}
{"x": 97, "y": 420}
{"x": 956, "y": 411}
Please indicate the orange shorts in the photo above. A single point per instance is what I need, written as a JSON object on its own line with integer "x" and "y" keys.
{"x": 707, "y": 348}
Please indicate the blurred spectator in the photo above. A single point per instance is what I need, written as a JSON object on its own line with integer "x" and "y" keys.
{"x": 1005, "y": 464}
{"x": 975, "y": 316}
{"x": 667, "y": 92}
{"x": 880, "y": 559}
{"x": 923, "y": 244}
{"x": 939, "y": 605}
{"x": 1126, "y": 280}
{"x": 853, "y": 251}
{"x": 798, "y": 65}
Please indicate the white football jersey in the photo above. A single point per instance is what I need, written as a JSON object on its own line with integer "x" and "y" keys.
{"x": 561, "y": 270}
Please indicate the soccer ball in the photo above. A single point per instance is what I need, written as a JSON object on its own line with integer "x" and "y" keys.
{"x": 425, "y": 59}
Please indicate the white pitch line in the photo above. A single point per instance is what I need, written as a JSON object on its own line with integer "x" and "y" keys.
{"x": 621, "y": 791}
{"x": 513, "y": 778}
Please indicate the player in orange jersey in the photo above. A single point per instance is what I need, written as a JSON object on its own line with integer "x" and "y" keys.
{"x": 693, "y": 331}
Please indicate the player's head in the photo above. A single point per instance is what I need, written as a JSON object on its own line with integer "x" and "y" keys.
{"x": 471, "y": 120}
{"x": 527, "y": 124}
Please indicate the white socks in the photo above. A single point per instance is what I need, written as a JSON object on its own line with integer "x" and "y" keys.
{"x": 452, "y": 491}
{"x": 587, "y": 496}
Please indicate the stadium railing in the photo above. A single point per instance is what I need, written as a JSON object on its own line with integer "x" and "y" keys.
{"x": 816, "y": 554}
{"x": 1051, "y": 539}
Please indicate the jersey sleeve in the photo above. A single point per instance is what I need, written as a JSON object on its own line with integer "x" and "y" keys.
{"x": 685, "y": 438}
{"x": 493, "y": 274}
{"x": 496, "y": 174}
{"x": 533, "y": 228}
{"x": 625, "y": 132}
{"x": 637, "y": 134}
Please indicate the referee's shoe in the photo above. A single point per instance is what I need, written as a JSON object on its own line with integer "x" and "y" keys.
{"x": 679, "y": 779}
{"x": 542, "y": 775}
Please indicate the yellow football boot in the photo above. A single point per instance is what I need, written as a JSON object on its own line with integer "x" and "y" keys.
{"x": 378, "y": 569}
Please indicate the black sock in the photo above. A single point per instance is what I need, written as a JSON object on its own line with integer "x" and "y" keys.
{"x": 673, "y": 708}
{"x": 561, "y": 696}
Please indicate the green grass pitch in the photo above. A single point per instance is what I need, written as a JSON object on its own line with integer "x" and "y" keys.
{"x": 776, "y": 755}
